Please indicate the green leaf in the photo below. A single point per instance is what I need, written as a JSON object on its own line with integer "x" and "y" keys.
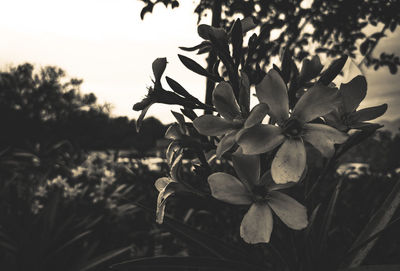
{"x": 195, "y": 67}
{"x": 183, "y": 264}
{"x": 333, "y": 70}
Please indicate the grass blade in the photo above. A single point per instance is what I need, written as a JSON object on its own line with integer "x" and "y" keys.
{"x": 378, "y": 222}
{"x": 104, "y": 257}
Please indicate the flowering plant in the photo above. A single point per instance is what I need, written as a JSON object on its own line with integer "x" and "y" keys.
{"x": 93, "y": 182}
{"x": 269, "y": 146}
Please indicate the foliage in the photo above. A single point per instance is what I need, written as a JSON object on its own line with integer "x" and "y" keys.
{"x": 332, "y": 27}
{"x": 291, "y": 141}
{"x": 45, "y": 107}
{"x": 61, "y": 209}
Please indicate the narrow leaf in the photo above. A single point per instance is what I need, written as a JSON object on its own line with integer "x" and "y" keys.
{"x": 378, "y": 222}
{"x": 104, "y": 257}
{"x": 333, "y": 70}
{"x": 188, "y": 112}
{"x": 286, "y": 65}
{"x": 197, "y": 47}
{"x": 329, "y": 215}
{"x": 179, "y": 89}
{"x": 208, "y": 243}
{"x": 195, "y": 67}
{"x": 237, "y": 41}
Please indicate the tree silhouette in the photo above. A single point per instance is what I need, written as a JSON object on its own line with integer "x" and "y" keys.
{"x": 46, "y": 107}
{"x": 333, "y": 28}
{"x": 30, "y": 102}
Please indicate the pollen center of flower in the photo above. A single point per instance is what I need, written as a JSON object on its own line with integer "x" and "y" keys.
{"x": 346, "y": 119}
{"x": 292, "y": 128}
{"x": 260, "y": 192}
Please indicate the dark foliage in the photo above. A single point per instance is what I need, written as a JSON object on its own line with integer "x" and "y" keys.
{"x": 336, "y": 26}
{"x": 42, "y": 108}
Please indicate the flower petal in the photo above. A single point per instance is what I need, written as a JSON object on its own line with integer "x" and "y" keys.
{"x": 365, "y": 126}
{"x": 270, "y": 185}
{"x": 267, "y": 181}
{"x": 173, "y": 132}
{"x": 257, "y": 224}
{"x": 228, "y": 188}
{"x": 247, "y": 167}
{"x": 260, "y": 138}
{"x": 141, "y": 117}
{"x": 290, "y": 211}
{"x": 212, "y": 125}
{"x": 353, "y": 93}
{"x": 323, "y": 137}
{"x": 169, "y": 190}
{"x": 369, "y": 113}
{"x": 158, "y": 67}
{"x": 257, "y": 115}
{"x": 225, "y": 102}
{"x": 174, "y": 149}
{"x": 317, "y": 101}
{"x": 334, "y": 119}
{"x": 272, "y": 91}
{"x": 289, "y": 162}
{"x": 226, "y": 143}
{"x": 162, "y": 182}
{"x": 175, "y": 166}
{"x": 181, "y": 121}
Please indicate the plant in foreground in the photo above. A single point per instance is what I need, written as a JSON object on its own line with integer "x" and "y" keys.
{"x": 302, "y": 108}
{"x": 261, "y": 193}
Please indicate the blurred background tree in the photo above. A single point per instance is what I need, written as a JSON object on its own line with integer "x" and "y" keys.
{"x": 45, "y": 107}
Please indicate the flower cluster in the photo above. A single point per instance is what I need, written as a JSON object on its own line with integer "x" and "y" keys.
{"x": 292, "y": 129}
{"x": 260, "y": 192}
{"x": 295, "y": 111}
{"x": 95, "y": 180}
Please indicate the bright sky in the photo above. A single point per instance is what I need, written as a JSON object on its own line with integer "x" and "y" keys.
{"x": 106, "y": 43}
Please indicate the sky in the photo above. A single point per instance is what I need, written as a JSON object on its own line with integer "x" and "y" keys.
{"x": 105, "y": 43}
